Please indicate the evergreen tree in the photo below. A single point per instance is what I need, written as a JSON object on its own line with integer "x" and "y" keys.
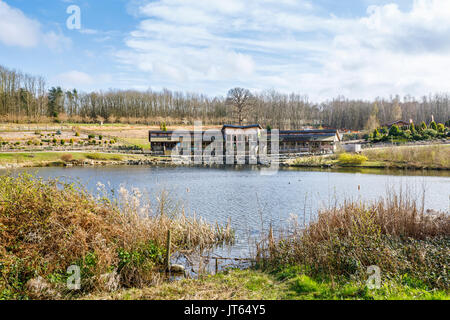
{"x": 433, "y": 125}
{"x": 423, "y": 126}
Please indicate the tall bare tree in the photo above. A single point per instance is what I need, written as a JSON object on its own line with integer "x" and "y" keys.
{"x": 25, "y": 97}
{"x": 242, "y": 101}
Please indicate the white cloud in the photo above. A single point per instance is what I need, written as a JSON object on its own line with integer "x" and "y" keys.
{"x": 81, "y": 80}
{"x": 75, "y": 78}
{"x": 16, "y": 29}
{"x": 207, "y": 45}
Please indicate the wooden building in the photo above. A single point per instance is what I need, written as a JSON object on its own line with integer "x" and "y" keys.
{"x": 309, "y": 141}
{"x": 290, "y": 141}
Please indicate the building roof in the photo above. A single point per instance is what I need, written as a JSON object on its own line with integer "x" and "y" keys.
{"x": 309, "y": 137}
{"x": 390, "y": 124}
{"x": 160, "y": 131}
{"x": 312, "y": 131}
{"x": 241, "y": 127}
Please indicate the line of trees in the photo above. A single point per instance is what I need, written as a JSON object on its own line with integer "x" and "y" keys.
{"x": 26, "y": 98}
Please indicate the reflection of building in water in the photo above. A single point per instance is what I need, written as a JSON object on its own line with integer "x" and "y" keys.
{"x": 238, "y": 138}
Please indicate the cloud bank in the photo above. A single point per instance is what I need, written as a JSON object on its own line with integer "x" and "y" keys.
{"x": 17, "y": 30}
{"x": 299, "y": 46}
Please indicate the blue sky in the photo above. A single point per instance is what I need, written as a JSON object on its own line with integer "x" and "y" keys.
{"x": 321, "y": 48}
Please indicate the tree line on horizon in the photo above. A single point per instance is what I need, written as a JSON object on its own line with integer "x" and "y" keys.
{"x": 26, "y": 98}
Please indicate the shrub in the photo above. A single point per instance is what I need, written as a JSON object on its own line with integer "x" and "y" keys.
{"x": 441, "y": 128}
{"x": 412, "y": 128}
{"x": 376, "y": 134}
{"x": 96, "y": 156}
{"x": 433, "y": 126}
{"x": 77, "y": 134}
{"x": 67, "y": 157}
{"x": 429, "y": 133}
{"x": 347, "y": 158}
{"x": 62, "y": 142}
{"x": 395, "y": 131}
{"x": 423, "y": 126}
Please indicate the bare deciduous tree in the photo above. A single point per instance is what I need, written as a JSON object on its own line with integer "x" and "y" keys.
{"x": 241, "y": 100}
{"x": 25, "y": 98}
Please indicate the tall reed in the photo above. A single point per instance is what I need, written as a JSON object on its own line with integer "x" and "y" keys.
{"x": 47, "y": 226}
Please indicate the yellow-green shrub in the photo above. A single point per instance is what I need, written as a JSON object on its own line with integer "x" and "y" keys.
{"x": 347, "y": 158}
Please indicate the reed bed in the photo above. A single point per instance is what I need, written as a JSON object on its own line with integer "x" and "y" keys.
{"x": 47, "y": 226}
{"x": 393, "y": 233}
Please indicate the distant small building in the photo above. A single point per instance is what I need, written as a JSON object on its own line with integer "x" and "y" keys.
{"x": 352, "y": 147}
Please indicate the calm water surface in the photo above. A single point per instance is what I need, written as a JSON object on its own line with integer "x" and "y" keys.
{"x": 253, "y": 201}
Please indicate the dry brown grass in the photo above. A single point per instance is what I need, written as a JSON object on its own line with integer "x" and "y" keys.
{"x": 393, "y": 233}
{"x": 435, "y": 156}
{"x": 47, "y": 226}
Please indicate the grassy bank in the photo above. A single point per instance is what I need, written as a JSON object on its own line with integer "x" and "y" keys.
{"x": 287, "y": 284}
{"x": 37, "y": 159}
{"x": 429, "y": 157}
{"x": 433, "y": 157}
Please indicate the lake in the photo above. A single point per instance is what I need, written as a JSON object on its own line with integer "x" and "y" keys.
{"x": 252, "y": 201}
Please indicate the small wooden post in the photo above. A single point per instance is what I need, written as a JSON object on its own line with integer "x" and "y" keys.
{"x": 217, "y": 265}
{"x": 168, "y": 251}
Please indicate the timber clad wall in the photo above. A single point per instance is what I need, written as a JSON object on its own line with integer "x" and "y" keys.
{"x": 290, "y": 142}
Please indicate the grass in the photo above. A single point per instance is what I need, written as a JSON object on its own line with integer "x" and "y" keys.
{"x": 393, "y": 233}
{"x": 314, "y": 161}
{"x": 47, "y": 226}
{"x": 435, "y": 156}
{"x": 289, "y": 283}
{"x": 45, "y": 158}
{"x": 405, "y": 157}
{"x": 141, "y": 143}
{"x": 104, "y": 157}
{"x": 328, "y": 259}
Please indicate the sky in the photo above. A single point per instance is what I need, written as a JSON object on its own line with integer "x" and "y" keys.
{"x": 319, "y": 48}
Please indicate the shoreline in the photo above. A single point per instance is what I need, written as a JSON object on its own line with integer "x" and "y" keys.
{"x": 420, "y": 158}
{"x": 279, "y": 273}
{"x": 142, "y": 160}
